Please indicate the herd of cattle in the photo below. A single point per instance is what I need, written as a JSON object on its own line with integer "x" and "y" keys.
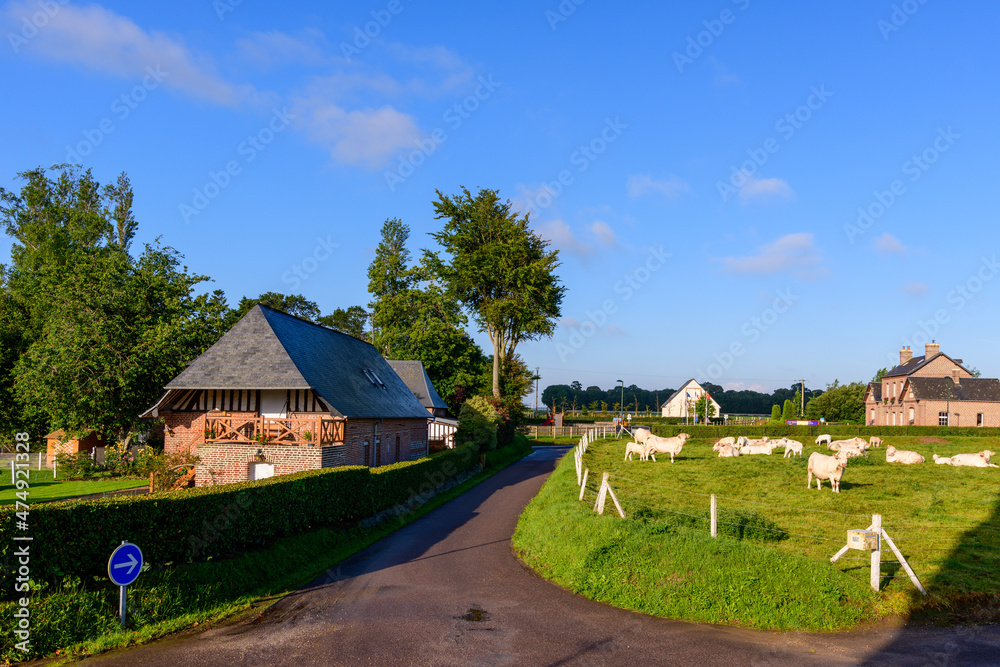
{"x": 821, "y": 466}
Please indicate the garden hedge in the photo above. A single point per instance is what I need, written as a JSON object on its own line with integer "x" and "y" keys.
{"x": 77, "y": 537}
{"x": 839, "y": 430}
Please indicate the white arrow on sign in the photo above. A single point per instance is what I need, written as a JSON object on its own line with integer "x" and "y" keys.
{"x": 132, "y": 562}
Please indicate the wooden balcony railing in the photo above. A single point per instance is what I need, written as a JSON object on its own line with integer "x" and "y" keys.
{"x": 266, "y": 430}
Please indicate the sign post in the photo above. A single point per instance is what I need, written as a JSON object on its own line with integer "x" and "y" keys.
{"x": 124, "y": 567}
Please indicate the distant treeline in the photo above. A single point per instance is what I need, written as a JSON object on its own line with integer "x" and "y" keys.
{"x": 593, "y": 399}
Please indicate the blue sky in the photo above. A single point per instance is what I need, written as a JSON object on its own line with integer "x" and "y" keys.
{"x": 741, "y": 192}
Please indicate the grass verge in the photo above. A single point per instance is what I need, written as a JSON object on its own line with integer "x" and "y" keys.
{"x": 662, "y": 561}
{"x": 46, "y": 489}
{"x": 79, "y": 618}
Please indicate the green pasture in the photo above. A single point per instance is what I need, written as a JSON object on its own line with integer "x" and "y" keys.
{"x": 43, "y": 488}
{"x": 661, "y": 559}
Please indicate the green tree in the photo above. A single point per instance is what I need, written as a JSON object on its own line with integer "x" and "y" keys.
{"x": 775, "y": 413}
{"x": 878, "y": 376}
{"x": 415, "y": 318}
{"x": 499, "y": 269}
{"x": 293, "y": 304}
{"x": 788, "y": 412}
{"x": 352, "y": 321}
{"x": 839, "y": 403}
{"x": 699, "y": 407}
{"x": 107, "y": 330}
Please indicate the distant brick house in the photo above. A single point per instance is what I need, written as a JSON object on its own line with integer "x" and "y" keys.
{"x": 277, "y": 394}
{"x": 932, "y": 390}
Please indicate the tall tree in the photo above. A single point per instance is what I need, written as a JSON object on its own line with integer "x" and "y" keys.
{"x": 293, "y": 304}
{"x": 499, "y": 269}
{"x": 352, "y": 321}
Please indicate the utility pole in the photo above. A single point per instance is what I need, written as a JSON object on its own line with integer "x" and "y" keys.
{"x": 536, "y": 389}
{"x": 802, "y": 411}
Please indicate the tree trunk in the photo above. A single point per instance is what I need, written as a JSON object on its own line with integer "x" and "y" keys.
{"x": 496, "y": 372}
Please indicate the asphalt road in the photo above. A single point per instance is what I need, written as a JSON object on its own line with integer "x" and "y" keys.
{"x": 448, "y": 590}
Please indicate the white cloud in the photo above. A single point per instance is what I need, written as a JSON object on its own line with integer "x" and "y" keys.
{"x": 740, "y": 386}
{"x": 569, "y": 322}
{"x": 270, "y": 49}
{"x": 887, "y": 244}
{"x": 671, "y": 186}
{"x": 795, "y": 253}
{"x": 368, "y": 137}
{"x": 103, "y": 41}
{"x": 604, "y": 234}
{"x": 754, "y": 188}
{"x": 915, "y": 289}
{"x": 563, "y": 238}
{"x": 615, "y": 330}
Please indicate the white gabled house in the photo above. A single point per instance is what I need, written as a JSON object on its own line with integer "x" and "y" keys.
{"x": 681, "y": 402}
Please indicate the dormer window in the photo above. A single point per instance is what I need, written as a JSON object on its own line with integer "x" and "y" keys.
{"x": 374, "y": 379}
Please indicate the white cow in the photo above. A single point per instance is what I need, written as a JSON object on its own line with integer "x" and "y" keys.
{"x": 852, "y": 449}
{"x": 792, "y": 447}
{"x": 942, "y": 460}
{"x": 893, "y": 455}
{"x": 757, "y": 447}
{"x": 853, "y": 442}
{"x": 722, "y": 442}
{"x": 823, "y": 438}
{"x": 640, "y": 434}
{"x": 670, "y": 446}
{"x": 875, "y": 441}
{"x": 637, "y": 448}
{"x": 742, "y": 441}
{"x": 977, "y": 460}
{"x": 822, "y": 467}
{"x": 728, "y": 451}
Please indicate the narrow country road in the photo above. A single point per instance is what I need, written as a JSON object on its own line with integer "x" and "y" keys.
{"x": 448, "y": 590}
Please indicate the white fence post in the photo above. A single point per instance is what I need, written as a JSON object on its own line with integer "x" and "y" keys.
{"x": 902, "y": 561}
{"x": 877, "y": 552}
{"x": 715, "y": 518}
{"x": 583, "y": 486}
{"x": 602, "y": 495}
{"x": 12, "y": 471}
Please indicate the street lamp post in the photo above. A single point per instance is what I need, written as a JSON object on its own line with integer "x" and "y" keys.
{"x": 622, "y": 404}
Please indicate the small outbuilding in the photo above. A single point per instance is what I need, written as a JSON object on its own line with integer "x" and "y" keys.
{"x": 58, "y": 442}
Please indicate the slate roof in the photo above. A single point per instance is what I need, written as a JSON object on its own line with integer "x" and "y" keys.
{"x": 945, "y": 389}
{"x": 415, "y": 376}
{"x": 876, "y": 390}
{"x": 268, "y": 349}
{"x": 916, "y": 363}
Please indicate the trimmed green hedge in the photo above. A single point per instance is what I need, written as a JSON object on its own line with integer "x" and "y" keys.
{"x": 77, "y": 537}
{"x": 845, "y": 430}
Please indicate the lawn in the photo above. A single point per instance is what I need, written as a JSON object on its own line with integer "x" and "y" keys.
{"x": 42, "y": 488}
{"x": 945, "y": 520}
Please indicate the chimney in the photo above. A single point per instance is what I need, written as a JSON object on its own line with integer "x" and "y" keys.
{"x": 905, "y": 355}
{"x": 954, "y": 375}
{"x": 931, "y": 349}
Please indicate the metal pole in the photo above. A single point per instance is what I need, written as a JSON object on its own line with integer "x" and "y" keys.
{"x": 121, "y": 604}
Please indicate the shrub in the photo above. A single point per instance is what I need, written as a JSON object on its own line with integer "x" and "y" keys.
{"x": 75, "y": 466}
{"x": 477, "y": 424}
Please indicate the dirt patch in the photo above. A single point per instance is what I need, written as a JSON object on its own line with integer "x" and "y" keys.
{"x": 926, "y": 440}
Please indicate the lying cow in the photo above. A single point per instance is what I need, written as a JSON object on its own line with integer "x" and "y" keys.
{"x": 977, "y": 460}
{"x": 722, "y": 442}
{"x": 757, "y": 447}
{"x": 893, "y": 455}
{"x": 822, "y": 467}
{"x": 670, "y": 446}
{"x": 942, "y": 460}
{"x": 727, "y": 451}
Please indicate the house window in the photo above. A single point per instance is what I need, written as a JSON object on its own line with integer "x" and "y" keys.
{"x": 893, "y": 418}
{"x": 911, "y": 415}
{"x": 942, "y": 419}
{"x": 367, "y": 455}
{"x": 979, "y": 419}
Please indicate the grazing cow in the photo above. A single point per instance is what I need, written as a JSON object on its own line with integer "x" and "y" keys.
{"x": 893, "y": 455}
{"x": 977, "y": 460}
{"x": 823, "y": 438}
{"x": 728, "y": 451}
{"x": 792, "y": 447}
{"x": 670, "y": 446}
{"x": 942, "y": 460}
{"x": 822, "y": 467}
{"x": 875, "y": 441}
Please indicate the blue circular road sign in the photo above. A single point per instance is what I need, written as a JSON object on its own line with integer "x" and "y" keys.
{"x": 125, "y": 564}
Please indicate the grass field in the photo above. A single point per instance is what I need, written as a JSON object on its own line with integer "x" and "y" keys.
{"x": 945, "y": 520}
{"x": 42, "y": 488}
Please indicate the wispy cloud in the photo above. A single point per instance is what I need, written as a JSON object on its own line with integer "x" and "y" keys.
{"x": 762, "y": 189}
{"x": 793, "y": 253}
{"x": 605, "y": 236}
{"x": 563, "y": 238}
{"x": 915, "y": 289}
{"x": 103, "y": 41}
{"x": 887, "y": 244}
{"x": 274, "y": 48}
{"x": 671, "y": 186}
{"x": 367, "y": 137}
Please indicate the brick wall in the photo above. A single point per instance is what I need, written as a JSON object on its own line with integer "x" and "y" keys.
{"x": 182, "y": 431}
{"x": 412, "y": 434}
{"x": 228, "y": 463}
